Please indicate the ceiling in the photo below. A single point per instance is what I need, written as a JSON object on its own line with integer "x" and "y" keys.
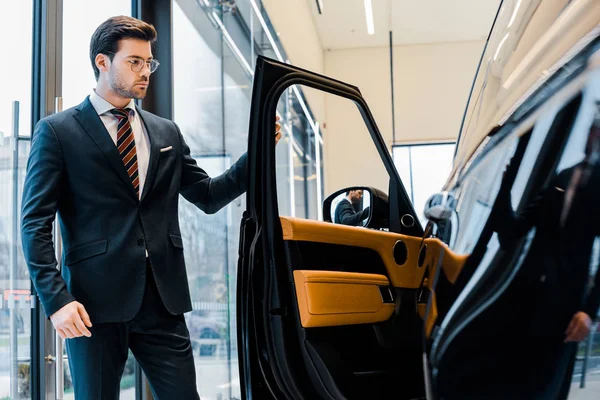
{"x": 342, "y": 23}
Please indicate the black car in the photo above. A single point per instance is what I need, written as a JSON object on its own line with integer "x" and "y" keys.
{"x": 458, "y": 308}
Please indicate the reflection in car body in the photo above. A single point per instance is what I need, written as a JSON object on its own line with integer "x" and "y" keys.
{"x": 451, "y": 310}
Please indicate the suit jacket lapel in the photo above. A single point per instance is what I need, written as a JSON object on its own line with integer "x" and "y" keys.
{"x": 93, "y": 126}
{"x": 152, "y": 129}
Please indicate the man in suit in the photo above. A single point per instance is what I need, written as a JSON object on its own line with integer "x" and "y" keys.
{"x": 346, "y": 214}
{"x": 113, "y": 174}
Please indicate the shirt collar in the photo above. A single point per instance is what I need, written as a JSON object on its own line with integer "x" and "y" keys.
{"x": 102, "y": 106}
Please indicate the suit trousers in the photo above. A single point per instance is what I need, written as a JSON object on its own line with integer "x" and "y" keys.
{"x": 159, "y": 341}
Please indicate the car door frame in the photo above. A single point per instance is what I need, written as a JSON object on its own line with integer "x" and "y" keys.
{"x": 261, "y": 239}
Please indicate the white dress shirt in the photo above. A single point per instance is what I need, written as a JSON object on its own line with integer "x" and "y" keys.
{"x": 142, "y": 143}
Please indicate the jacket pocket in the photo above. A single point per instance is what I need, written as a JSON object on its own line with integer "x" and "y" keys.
{"x": 177, "y": 241}
{"x": 166, "y": 154}
{"x": 86, "y": 250}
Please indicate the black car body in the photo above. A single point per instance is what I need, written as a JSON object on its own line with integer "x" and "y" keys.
{"x": 337, "y": 312}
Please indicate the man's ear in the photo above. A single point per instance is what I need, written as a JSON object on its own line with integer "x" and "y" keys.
{"x": 102, "y": 62}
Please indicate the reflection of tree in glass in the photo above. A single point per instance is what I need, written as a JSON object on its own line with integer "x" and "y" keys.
{"x": 4, "y": 249}
{"x": 24, "y": 381}
{"x": 204, "y": 132}
{"x": 204, "y": 238}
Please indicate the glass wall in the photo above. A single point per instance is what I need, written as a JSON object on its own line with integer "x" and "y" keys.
{"x": 423, "y": 169}
{"x": 198, "y": 110}
{"x": 215, "y": 44}
{"x": 16, "y": 23}
{"x": 214, "y": 50}
{"x": 78, "y": 79}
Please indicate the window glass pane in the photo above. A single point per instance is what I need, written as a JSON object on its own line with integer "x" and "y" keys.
{"x": 300, "y": 164}
{"x": 283, "y": 171}
{"x": 17, "y": 301}
{"x": 16, "y": 21}
{"x": 478, "y": 192}
{"x": 320, "y": 179}
{"x": 213, "y": 56}
{"x": 401, "y": 156}
{"x": 423, "y": 170}
{"x": 80, "y": 20}
{"x": 431, "y": 165}
{"x": 304, "y": 160}
{"x": 311, "y": 178}
{"x": 347, "y": 171}
{"x": 198, "y": 62}
{"x": 237, "y": 97}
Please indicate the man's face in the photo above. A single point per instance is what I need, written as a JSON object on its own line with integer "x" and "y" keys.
{"x": 122, "y": 79}
{"x": 355, "y": 196}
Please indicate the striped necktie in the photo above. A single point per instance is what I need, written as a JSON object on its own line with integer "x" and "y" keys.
{"x": 126, "y": 146}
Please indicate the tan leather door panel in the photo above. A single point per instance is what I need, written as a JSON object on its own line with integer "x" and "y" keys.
{"x": 406, "y": 275}
{"x": 331, "y": 298}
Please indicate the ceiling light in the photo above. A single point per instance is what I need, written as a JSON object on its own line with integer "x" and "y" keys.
{"x": 369, "y": 15}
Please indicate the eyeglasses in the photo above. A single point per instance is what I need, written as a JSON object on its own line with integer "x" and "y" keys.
{"x": 137, "y": 64}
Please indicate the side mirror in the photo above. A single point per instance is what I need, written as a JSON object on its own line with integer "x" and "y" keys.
{"x": 357, "y": 206}
{"x": 439, "y": 209}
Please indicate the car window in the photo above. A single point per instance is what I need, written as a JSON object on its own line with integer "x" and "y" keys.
{"x": 547, "y": 193}
{"x": 477, "y": 192}
{"x": 346, "y": 141}
{"x": 478, "y": 189}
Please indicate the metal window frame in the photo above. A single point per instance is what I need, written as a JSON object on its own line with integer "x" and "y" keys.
{"x": 46, "y": 89}
{"x": 159, "y": 98}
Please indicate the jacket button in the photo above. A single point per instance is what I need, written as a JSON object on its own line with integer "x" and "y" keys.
{"x": 140, "y": 242}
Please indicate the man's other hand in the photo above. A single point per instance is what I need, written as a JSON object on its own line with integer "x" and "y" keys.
{"x": 579, "y": 328}
{"x": 72, "y": 321}
{"x": 277, "y": 130}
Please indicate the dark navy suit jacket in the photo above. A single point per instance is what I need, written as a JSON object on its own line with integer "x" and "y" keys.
{"x": 74, "y": 171}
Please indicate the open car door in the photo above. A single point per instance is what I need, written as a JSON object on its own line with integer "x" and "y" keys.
{"x": 327, "y": 310}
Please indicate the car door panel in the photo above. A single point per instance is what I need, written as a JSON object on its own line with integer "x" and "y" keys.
{"x": 332, "y": 298}
{"x": 342, "y": 317}
{"x": 404, "y": 275}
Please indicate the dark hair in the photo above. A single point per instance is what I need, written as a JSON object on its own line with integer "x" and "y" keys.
{"x": 107, "y": 36}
